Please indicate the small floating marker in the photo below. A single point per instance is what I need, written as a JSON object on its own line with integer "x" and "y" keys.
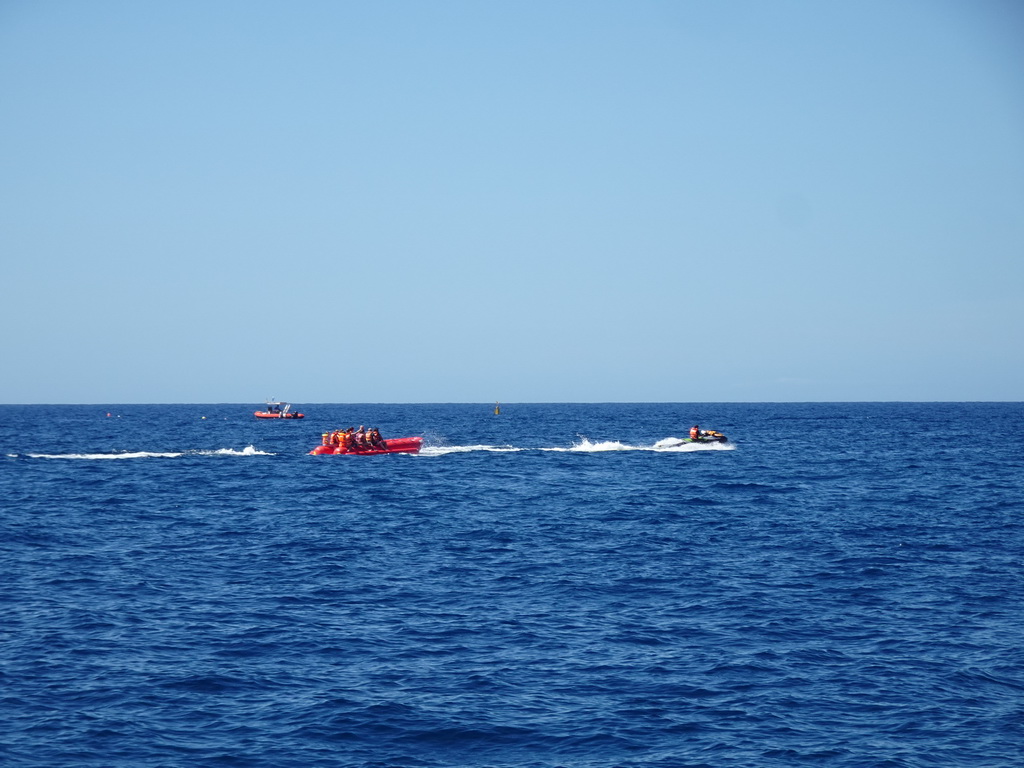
{"x": 497, "y": 409}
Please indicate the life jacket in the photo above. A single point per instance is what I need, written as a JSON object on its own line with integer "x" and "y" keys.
{"x": 694, "y": 432}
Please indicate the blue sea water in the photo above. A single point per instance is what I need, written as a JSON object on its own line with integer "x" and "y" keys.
{"x": 840, "y": 585}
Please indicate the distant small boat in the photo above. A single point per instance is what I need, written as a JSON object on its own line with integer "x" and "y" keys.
{"x": 277, "y": 410}
{"x": 392, "y": 445}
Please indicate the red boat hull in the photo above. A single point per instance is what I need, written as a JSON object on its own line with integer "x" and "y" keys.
{"x": 268, "y": 415}
{"x": 394, "y": 445}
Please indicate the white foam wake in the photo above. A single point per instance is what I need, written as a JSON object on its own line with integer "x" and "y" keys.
{"x": 665, "y": 445}
{"x": 104, "y": 456}
{"x": 585, "y": 446}
{"x": 249, "y": 450}
{"x": 444, "y": 450}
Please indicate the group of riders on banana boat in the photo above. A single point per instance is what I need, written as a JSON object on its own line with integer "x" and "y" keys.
{"x": 353, "y": 439}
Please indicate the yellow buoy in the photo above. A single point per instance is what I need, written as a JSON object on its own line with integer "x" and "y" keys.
{"x": 497, "y": 410}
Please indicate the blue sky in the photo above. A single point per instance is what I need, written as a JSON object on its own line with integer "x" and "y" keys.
{"x": 530, "y": 201}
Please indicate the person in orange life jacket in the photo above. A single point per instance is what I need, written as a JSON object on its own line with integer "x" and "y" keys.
{"x": 695, "y": 431}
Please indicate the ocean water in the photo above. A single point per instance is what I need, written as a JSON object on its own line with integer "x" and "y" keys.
{"x": 840, "y": 585}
